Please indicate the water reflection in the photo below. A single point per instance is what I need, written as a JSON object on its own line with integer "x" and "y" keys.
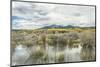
{"x": 73, "y": 54}
{"x": 37, "y": 55}
{"x": 20, "y": 55}
{"x": 87, "y": 54}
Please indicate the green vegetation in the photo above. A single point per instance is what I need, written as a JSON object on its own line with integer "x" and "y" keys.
{"x": 60, "y": 57}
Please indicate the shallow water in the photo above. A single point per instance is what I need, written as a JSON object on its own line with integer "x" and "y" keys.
{"x": 72, "y": 55}
{"x": 24, "y": 55}
{"x": 20, "y": 55}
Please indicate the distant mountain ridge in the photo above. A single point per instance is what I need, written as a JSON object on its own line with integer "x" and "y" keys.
{"x": 61, "y": 26}
{"x": 57, "y": 26}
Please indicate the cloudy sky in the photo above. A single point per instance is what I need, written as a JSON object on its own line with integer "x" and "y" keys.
{"x": 26, "y": 15}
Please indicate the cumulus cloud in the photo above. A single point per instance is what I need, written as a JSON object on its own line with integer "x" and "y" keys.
{"x": 26, "y": 15}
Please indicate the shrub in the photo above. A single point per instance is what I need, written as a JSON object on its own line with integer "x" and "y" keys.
{"x": 42, "y": 40}
{"x": 38, "y": 54}
{"x": 87, "y": 40}
{"x": 52, "y": 40}
{"x": 73, "y": 35}
{"x": 62, "y": 40}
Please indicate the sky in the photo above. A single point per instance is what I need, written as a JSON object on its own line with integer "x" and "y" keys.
{"x": 26, "y": 15}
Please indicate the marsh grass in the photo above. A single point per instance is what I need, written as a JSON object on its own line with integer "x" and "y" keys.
{"x": 59, "y": 57}
{"x": 67, "y": 39}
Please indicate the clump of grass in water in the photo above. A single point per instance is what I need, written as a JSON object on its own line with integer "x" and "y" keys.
{"x": 74, "y": 43}
{"x": 62, "y": 41}
{"x": 37, "y": 56}
{"x": 42, "y": 40}
{"x": 45, "y": 58}
{"x": 27, "y": 43}
{"x": 87, "y": 55}
{"x": 60, "y": 57}
{"x": 72, "y": 36}
{"x": 52, "y": 40}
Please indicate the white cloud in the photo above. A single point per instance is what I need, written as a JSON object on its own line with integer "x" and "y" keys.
{"x": 24, "y": 24}
{"x": 36, "y": 15}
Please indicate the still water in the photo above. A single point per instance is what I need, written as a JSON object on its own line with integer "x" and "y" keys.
{"x": 26, "y": 55}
